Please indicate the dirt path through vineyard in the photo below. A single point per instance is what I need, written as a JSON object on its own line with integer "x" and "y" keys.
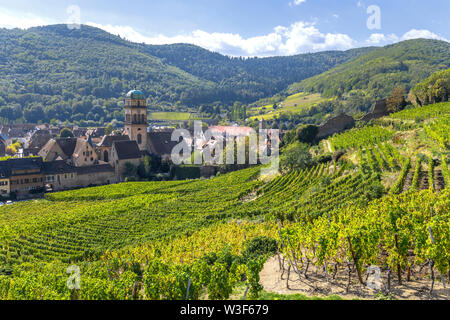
{"x": 316, "y": 285}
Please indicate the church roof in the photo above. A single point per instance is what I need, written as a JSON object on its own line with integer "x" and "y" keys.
{"x": 161, "y": 143}
{"x": 127, "y": 150}
{"x": 108, "y": 141}
{"x": 136, "y": 94}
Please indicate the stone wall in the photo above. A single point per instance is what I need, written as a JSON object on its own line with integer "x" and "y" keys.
{"x": 96, "y": 178}
{"x": 335, "y": 125}
{"x": 379, "y": 110}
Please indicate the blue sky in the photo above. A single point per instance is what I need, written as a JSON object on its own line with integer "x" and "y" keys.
{"x": 245, "y": 27}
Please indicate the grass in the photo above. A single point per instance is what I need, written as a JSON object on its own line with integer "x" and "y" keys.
{"x": 296, "y": 103}
{"x": 170, "y": 116}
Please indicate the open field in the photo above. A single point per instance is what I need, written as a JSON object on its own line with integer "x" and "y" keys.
{"x": 170, "y": 116}
{"x": 296, "y": 103}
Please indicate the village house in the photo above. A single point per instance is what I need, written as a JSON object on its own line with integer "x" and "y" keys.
{"x": 77, "y": 151}
{"x": 36, "y": 141}
{"x": 25, "y": 176}
{"x": 123, "y": 153}
{"x": 104, "y": 148}
{"x": 4, "y": 181}
{"x": 160, "y": 143}
{"x": 61, "y": 176}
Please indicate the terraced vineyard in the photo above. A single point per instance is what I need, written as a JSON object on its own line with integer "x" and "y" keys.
{"x": 360, "y": 137}
{"x": 383, "y": 203}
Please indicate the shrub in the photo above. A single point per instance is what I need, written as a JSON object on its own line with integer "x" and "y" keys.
{"x": 259, "y": 246}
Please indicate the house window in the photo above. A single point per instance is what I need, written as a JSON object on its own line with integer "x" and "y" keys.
{"x": 106, "y": 156}
{"x": 139, "y": 138}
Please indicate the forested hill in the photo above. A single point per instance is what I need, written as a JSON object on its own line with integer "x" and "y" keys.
{"x": 53, "y": 72}
{"x": 271, "y": 75}
{"x": 378, "y": 72}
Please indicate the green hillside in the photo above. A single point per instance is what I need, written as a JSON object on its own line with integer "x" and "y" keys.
{"x": 81, "y": 75}
{"x": 432, "y": 90}
{"x": 299, "y": 103}
{"x": 375, "y": 74}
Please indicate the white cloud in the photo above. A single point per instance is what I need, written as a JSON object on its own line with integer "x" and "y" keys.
{"x": 299, "y": 37}
{"x": 296, "y": 2}
{"x": 379, "y": 39}
{"x": 416, "y": 34}
{"x": 23, "y": 20}
{"x": 382, "y": 39}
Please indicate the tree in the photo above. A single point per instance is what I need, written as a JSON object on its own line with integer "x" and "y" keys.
{"x": 109, "y": 129}
{"x": 130, "y": 170}
{"x": 66, "y": 133}
{"x": 297, "y": 157}
{"x": 307, "y": 133}
{"x": 397, "y": 100}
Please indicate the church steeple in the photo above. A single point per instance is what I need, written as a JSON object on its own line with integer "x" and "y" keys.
{"x": 136, "y": 118}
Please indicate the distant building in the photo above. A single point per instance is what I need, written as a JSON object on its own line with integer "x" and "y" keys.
{"x": 104, "y": 148}
{"x": 136, "y": 118}
{"x": 23, "y": 176}
{"x": 2, "y": 147}
{"x": 79, "y": 152}
{"x": 36, "y": 141}
{"x": 160, "y": 143}
{"x": 124, "y": 152}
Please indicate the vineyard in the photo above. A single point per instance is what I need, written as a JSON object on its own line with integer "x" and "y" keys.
{"x": 360, "y": 137}
{"x": 423, "y": 113}
{"x": 383, "y": 204}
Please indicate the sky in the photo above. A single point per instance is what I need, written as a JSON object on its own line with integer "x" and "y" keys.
{"x": 245, "y": 27}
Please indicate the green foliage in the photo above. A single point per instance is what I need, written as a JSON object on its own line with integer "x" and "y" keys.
{"x": 130, "y": 171}
{"x": 378, "y": 72}
{"x": 360, "y": 137}
{"x": 66, "y": 133}
{"x": 296, "y": 157}
{"x": 183, "y": 172}
{"x": 307, "y": 133}
{"x": 259, "y": 247}
{"x": 420, "y": 114}
{"x": 397, "y": 188}
{"x": 81, "y": 75}
{"x": 439, "y": 131}
{"x": 432, "y": 90}
{"x": 445, "y": 171}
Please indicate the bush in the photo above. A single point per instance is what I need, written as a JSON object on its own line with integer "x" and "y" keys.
{"x": 308, "y": 133}
{"x": 259, "y": 246}
{"x": 297, "y": 157}
{"x": 184, "y": 172}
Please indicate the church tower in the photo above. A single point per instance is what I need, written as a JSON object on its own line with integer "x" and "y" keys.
{"x": 136, "y": 118}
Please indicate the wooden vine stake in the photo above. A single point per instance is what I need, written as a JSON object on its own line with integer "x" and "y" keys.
{"x": 245, "y": 293}
{"x": 188, "y": 288}
{"x": 399, "y": 270}
{"x": 355, "y": 260}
